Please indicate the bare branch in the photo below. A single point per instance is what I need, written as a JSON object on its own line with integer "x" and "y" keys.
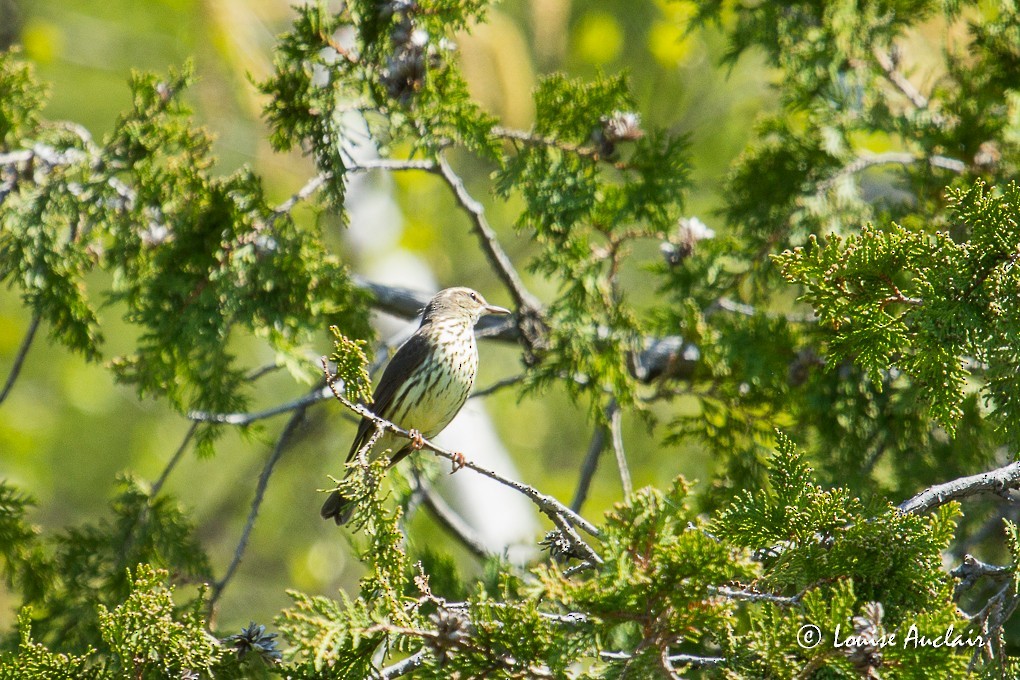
{"x": 862, "y": 163}
{"x": 403, "y": 667}
{"x": 998, "y": 481}
{"x": 906, "y": 88}
{"x": 310, "y": 187}
{"x": 616, "y": 430}
{"x": 533, "y": 139}
{"x": 451, "y": 521}
{"x": 754, "y": 596}
{"x": 588, "y": 467}
{"x": 316, "y": 182}
{"x": 497, "y": 386}
{"x": 972, "y": 569}
{"x": 256, "y": 504}
{"x": 241, "y": 418}
{"x": 19, "y": 358}
{"x": 688, "y": 659}
{"x": 493, "y": 250}
{"x": 570, "y": 618}
{"x": 174, "y": 459}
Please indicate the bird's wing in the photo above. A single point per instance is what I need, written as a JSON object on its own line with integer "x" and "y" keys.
{"x": 411, "y": 355}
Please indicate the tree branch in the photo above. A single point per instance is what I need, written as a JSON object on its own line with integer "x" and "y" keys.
{"x": 689, "y": 659}
{"x": 256, "y": 504}
{"x": 19, "y": 358}
{"x": 493, "y": 250}
{"x": 754, "y": 596}
{"x": 588, "y": 467}
{"x": 906, "y": 88}
{"x": 403, "y": 667}
{"x": 497, "y": 386}
{"x": 998, "y": 481}
{"x": 448, "y": 518}
{"x": 172, "y": 463}
{"x": 972, "y": 569}
{"x": 316, "y": 182}
{"x": 616, "y": 430}
{"x": 891, "y": 158}
{"x": 241, "y": 418}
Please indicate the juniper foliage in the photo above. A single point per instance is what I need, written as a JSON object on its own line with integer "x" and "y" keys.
{"x": 861, "y": 297}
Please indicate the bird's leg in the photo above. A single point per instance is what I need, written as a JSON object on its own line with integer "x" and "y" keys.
{"x": 458, "y": 461}
{"x": 417, "y": 441}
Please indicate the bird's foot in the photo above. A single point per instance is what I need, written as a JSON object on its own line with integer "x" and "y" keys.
{"x": 417, "y": 440}
{"x": 459, "y": 461}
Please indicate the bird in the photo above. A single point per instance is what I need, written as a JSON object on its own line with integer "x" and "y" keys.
{"x": 425, "y": 384}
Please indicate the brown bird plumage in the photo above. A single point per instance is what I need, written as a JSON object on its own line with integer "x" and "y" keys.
{"x": 426, "y": 382}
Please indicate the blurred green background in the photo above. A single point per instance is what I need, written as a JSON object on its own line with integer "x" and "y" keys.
{"x": 67, "y": 430}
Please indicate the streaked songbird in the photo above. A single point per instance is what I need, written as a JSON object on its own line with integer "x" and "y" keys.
{"x": 425, "y": 384}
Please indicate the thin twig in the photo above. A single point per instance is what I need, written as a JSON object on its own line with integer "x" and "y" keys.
{"x": 451, "y": 521}
{"x": 316, "y": 182}
{"x": 998, "y": 481}
{"x": 403, "y": 667}
{"x": 616, "y": 430}
{"x": 262, "y": 371}
{"x": 570, "y": 618}
{"x": 242, "y": 418}
{"x": 906, "y": 88}
{"x": 588, "y": 467}
{"x": 497, "y": 386}
{"x": 754, "y": 596}
{"x": 19, "y": 358}
{"x": 172, "y": 463}
{"x": 493, "y": 250}
{"x": 549, "y": 505}
{"x": 260, "y": 492}
{"x": 890, "y": 158}
{"x": 971, "y": 569}
{"x": 728, "y": 305}
{"x": 310, "y": 187}
{"x": 534, "y": 139}
{"x": 689, "y": 659}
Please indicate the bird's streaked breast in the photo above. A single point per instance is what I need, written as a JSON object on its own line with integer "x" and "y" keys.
{"x": 439, "y": 387}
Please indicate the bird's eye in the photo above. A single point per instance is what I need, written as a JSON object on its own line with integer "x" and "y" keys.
{"x": 474, "y": 297}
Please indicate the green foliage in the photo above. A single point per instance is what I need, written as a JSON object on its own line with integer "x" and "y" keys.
{"x": 21, "y": 99}
{"x": 25, "y": 566}
{"x": 903, "y": 374}
{"x": 586, "y": 200}
{"x": 87, "y": 566}
{"x": 94, "y": 605}
{"x": 148, "y": 638}
{"x": 400, "y": 65}
{"x": 351, "y": 367}
{"x": 926, "y": 303}
{"x": 33, "y": 660}
{"x": 197, "y": 261}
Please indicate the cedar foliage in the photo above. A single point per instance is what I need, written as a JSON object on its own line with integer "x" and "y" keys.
{"x": 900, "y": 352}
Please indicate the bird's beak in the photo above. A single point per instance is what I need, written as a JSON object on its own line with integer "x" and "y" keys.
{"x": 494, "y": 309}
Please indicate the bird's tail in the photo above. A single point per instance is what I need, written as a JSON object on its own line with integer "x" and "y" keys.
{"x": 337, "y": 508}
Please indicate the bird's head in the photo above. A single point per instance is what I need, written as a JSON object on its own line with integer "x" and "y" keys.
{"x": 459, "y": 303}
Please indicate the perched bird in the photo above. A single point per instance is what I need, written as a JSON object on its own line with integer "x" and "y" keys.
{"x": 426, "y": 382}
